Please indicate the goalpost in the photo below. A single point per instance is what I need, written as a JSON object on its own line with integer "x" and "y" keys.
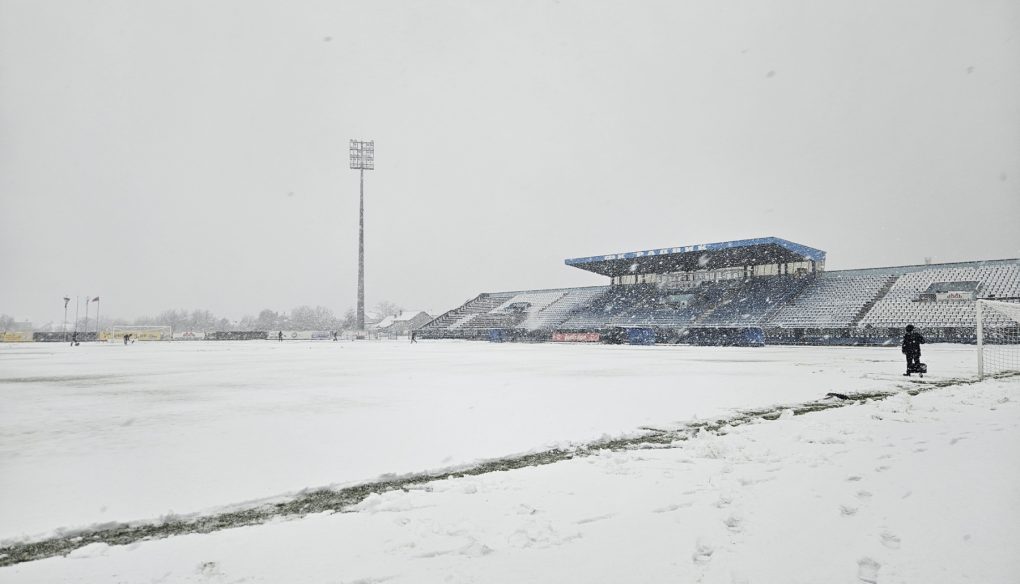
{"x": 142, "y": 333}
{"x": 998, "y": 337}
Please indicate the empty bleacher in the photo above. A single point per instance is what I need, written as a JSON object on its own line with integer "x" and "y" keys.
{"x": 528, "y": 310}
{"x": 753, "y": 300}
{"x": 448, "y": 323}
{"x": 556, "y": 312}
{"x": 615, "y": 301}
{"x": 901, "y": 305}
{"x": 480, "y": 306}
{"x": 646, "y": 305}
{"x": 832, "y": 300}
{"x": 514, "y": 312}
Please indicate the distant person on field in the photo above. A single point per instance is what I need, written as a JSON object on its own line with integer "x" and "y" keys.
{"x": 279, "y": 335}
{"x": 127, "y": 338}
{"x": 414, "y": 336}
{"x": 74, "y": 338}
{"x": 911, "y": 347}
{"x": 334, "y": 335}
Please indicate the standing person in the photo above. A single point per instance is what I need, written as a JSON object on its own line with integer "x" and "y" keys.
{"x": 127, "y": 338}
{"x": 911, "y": 347}
{"x": 74, "y": 338}
{"x": 279, "y": 335}
{"x": 334, "y": 335}
{"x": 414, "y": 334}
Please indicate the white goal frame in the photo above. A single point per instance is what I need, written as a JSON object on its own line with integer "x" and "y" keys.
{"x": 987, "y": 336}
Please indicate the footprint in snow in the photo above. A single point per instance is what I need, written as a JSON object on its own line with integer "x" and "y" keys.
{"x": 594, "y": 519}
{"x": 540, "y": 535}
{"x": 475, "y": 549}
{"x": 209, "y": 569}
{"x": 724, "y": 500}
{"x": 890, "y": 540}
{"x": 957, "y": 439}
{"x": 853, "y": 478}
{"x": 670, "y": 508}
{"x": 863, "y": 494}
{"x": 847, "y": 510}
{"x": 434, "y": 554}
{"x": 734, "y": 523}
{"x": 702, "y": 552}
{"x": 747, "y": 481}
{"x": 867, "y": 570}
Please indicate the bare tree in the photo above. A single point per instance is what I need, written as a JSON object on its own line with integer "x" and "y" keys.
{"x": 306, "y": 318}
{"x": 271, "y": 320}
{"x": 350, "y": 320}
{"x": 387, "y": 308}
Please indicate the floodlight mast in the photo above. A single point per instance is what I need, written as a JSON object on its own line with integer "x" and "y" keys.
{"x": 362, "y": 159}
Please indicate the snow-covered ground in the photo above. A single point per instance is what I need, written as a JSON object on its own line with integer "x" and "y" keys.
{"x": 913, "y": 488}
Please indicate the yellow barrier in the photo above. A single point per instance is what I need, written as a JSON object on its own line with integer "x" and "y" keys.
{"x": 140, "y": 333}
{"x": 15, "y": 337}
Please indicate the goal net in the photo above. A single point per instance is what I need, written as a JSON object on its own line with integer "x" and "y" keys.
{"x": 998, "y": 337}
{"x": 141, "y": 333}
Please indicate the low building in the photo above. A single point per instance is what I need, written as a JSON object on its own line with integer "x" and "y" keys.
{"x": 402, "y": 324}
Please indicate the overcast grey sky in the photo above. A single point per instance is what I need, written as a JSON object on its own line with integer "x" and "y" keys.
{"x": 193, "y": 154}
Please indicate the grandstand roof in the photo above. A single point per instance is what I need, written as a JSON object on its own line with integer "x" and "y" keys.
{"x": 704, "y": 256}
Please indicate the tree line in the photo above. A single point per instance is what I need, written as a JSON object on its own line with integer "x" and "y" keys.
{"x": 300, "y": 318}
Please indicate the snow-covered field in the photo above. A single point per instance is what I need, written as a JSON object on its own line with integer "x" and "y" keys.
{"x": 910, "y": 489}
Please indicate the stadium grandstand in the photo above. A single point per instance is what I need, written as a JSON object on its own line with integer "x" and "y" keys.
{"x": 750, "y": 291}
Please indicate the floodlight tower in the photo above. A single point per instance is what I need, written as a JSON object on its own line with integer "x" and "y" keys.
{"x": 362, "y": 159}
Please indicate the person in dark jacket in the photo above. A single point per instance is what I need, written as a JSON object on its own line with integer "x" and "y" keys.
{"x": 911, "y": 347}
